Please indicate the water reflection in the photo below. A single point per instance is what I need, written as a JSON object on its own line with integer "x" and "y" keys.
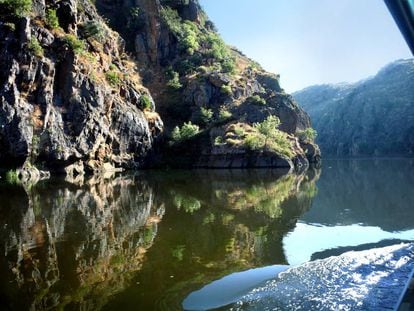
{"x": 359, "y": 202}
{"x": 73, "y": 246}
{"x": 142, "y": 241}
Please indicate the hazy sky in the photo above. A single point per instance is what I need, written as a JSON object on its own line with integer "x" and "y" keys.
{"x": 311, "y": 41}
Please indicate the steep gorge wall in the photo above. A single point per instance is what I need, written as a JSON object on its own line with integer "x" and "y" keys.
{"x": 189, "y": 70}
{"x": 82, "y": 93}
{"x": 62, "y": 99}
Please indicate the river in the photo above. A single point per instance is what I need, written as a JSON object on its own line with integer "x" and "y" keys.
{"x": 146, "y": 241}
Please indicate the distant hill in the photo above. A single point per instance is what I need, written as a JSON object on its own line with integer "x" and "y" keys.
{"x": 373, "y": 117}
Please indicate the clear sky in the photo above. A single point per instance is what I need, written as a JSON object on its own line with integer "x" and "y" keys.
{"x": 311, "y": 41}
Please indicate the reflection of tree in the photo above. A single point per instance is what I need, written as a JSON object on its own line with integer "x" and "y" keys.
{"x": 239, "y": 223}
{"x": 263, "y": 197}
{"x": 88, "y": 245}
{"x": 187, "y": 203}
{"x": 75, "y": 245}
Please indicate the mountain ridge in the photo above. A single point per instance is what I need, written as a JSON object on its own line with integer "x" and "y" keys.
{"x": 365, "y": 118}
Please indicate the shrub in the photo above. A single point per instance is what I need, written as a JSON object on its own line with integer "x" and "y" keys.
{"x": 185, "y": 66}
{"x": 51, "y": 18}
{"x": 203, "y": 69}
{"x": 174, "y": 80}
{"x": 265, "y": 135}
{"x": 269, "y": 126}
{"x": 172, "y": 19}
{"x": 217, "y": 48}
{"x": 224, "y": 114}
{"x": 93, "y": 29}
{"x": 254, "y": 142}
{"x": 17, "y": 8}
{"x": 186, "y": 32}
{"x": 77, "y": 46}
{"x": 226, "y": 89}
{"x": 35, "y": 47}
{"x": 145, "y": 102}
{"x": 257, "y": 100}
{"x": 229, "y": 65}
{"x": 113, "y": 78}
{"x": 189, "y": 37}
{"x": 187, "y": 131}
{"x": 308, "y": 134}
{"x": 190, "y": 64}
{"x": 206, "y": 115}
{"x": 210, "y": 26}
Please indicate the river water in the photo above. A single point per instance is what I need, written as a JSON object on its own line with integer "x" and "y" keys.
{"x": 146, "y": 241}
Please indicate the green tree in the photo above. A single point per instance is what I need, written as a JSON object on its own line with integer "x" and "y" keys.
{"x": 206, "y": 115}
{"x": 226, "y": 89}
{"x": 268, "y": 128}
{"x": 189, "y": 130}
{"x": 94, "y": 29}
{"x": 224, "y": 114}
{"x": 173, "y": 79}
{"x": 51, "y": 18}
{"x": 18, "y": 8}
{"x": 145, "y": 102}
{"x": 257, "y": 100}
{"x": 266, "y": 135}
{"x": 186, "y": 131}
{"x": 189, "y": 40}
{"x": 308, "y": 134}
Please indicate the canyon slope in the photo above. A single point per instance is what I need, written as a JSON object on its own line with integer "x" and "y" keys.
{"x": 373, "y": 117}
{"x": 90, "y": 86}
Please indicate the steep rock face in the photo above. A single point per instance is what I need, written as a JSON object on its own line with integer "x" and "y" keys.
{"x": 72, "y": 97}
{"x": 373, "y": 117}
{"x": 189, "y": 69}
{"x": 70, "y": 93}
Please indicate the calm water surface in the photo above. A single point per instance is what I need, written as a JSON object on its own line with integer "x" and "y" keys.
{"x": 146, "y": 241}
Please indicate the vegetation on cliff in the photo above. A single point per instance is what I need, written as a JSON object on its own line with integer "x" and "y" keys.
{"x": 74, "y": 91}
{"x": 372, "y": 117}
{"x": 69, "y": 94}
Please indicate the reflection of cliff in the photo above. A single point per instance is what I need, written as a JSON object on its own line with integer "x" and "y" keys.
{"x": 217, "y": 222}
{"x": 70, "y": 245}
{"x": 93, "y": 245}
{"x": 370, "y": 192}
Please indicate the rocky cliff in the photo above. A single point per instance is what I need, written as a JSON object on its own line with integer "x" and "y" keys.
{"x": 68, "y": 91}
{"x": 195, "y": 77}
{"x": 79, "y": 82}
{"x": 373, "y": 117}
